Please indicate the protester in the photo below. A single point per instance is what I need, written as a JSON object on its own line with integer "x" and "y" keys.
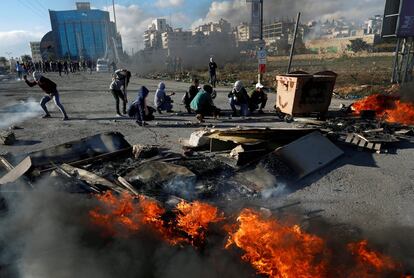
{"x": 50, "y": 88}
{"x": 203, "y": 104}
{"x": 239, "y": 97}
{"x": 258, "y": 99}
{"x": 162, "y": 100}
{"x": 212, "y": 67}
{"x": 139, "y": 108}
{"x": 19, "y": 70}
{"x": 118, "y": 89}
{"x": 189, "y": 96}
{"x": 60, "y": 68}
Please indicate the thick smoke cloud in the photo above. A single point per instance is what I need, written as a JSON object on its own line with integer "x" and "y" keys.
{"x": 47, "y": 233}
{"x": 236, "y": 10}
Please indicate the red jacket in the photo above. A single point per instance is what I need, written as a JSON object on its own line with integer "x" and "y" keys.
{"x": 47, "y": 85}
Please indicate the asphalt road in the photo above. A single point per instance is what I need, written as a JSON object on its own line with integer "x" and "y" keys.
{"x": 370, "y": 193}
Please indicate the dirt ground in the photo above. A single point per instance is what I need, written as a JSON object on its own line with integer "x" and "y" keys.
{"x": 370, "y": 193}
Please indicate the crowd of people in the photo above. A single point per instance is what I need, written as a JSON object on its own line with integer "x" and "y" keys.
{"x": 61, "y": 67}
{"x": 198, "y": 100}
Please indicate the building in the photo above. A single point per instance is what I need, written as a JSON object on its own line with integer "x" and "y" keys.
{"x": 153, "y": 35}
{"x": 223, "y": 26}
{"x": 243, "y": 32}
{"x": 282, "y": 30}
{"x": 374, "y": 25}
{"x": 176, "y": 39}
{"x": 84, "y": 33}
{"x": 36, "y": 54}
{"x": 255, "y": 20}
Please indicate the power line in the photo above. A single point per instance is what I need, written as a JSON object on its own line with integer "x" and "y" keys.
{"x": 24, "y": 4}
{"x": 34, "y": 7}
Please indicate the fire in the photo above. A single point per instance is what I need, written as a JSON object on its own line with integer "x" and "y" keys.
{"x": 370, "y": 263}
{"x": 273, "y": 248}
{"x": 276, "y": 250}
{"x": 194, "y": 219}
{"x": 126, "y": 215}
{"x": 391, "y": 108}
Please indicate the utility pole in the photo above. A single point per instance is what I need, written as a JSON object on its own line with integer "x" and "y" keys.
{"x": 292, "y": 50}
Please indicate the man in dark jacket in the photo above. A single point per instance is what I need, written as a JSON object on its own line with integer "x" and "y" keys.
{"x": 212, "y": 68}
{"x": 50, "y": 88}
{"x": 239, "y": 97}
{"x": 258, "y": 99}
{"x": 190, "y": 95}
{"x": 139, "y": 108}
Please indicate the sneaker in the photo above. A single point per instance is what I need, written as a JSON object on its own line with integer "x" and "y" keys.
{"x": 159, "y": 111}
{"x": 119, "y": 115}
{"x": 65, "y": 118}
{"x": 200, "y": 118}
{"x": 260, "y": 112}
{"x": 46, "y": 116}
{"x": 235, "y": 114}
{"x": 170, "y": 111}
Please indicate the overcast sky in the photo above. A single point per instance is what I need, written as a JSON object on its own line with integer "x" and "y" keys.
{"x": 22, "y": 21}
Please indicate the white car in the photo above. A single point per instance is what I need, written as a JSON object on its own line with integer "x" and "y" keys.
{"x": 102, "y": 65}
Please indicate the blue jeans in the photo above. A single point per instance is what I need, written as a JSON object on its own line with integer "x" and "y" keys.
{"x": 56, "y": 99}
{"x": 244, "y": 107}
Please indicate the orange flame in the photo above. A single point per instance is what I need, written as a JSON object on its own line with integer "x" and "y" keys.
{"x": 370, "y": 263}
{"x": 388, "y": 107}
{"x": 126, "y": 215}
{"x": 277, "y": 250}
{"x": 194, "y": 219}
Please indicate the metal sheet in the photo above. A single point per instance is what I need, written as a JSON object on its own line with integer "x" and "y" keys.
{"x": 309, "y": 154}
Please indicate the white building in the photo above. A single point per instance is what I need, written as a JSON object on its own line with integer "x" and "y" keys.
{"x": 35, "y": 48}
{"x": 176, "y": 39}
{"x": 153, "y": 35}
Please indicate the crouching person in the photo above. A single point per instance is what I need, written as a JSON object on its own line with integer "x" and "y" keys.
{"x": 203, "y": 104}
{"x": 139, "y": 108}
{"x": 258, "y": 99}
{"x": 239, "y": 97}
{"x": 162, "y": 100}
{"x": 190, "y": 95}
{"x": 50, "y": 88}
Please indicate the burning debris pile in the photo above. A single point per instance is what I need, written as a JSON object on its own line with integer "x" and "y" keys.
{"x": 187, "y": 201}
{"x": 387, "y": 108}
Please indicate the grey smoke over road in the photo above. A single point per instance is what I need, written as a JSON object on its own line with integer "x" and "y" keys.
{"x": 16, "y": 113}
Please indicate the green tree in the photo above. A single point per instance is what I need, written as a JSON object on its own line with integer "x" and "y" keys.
{"x": 358, "y": 45}
{"x": 26, "y": 58}
{"x": 3, "y": 61}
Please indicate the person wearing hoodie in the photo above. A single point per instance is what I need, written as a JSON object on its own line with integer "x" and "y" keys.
{"x": 239, "y": 97}
{"x": 139, "y": 108}
{"x": 203, "y": 104}
{"x": 190, "y": 95}
{"x": 162, "y": 100}
{"x": 50, "y": 88}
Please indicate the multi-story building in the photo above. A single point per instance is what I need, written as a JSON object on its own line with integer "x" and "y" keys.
{"x": 243, "y": 32}
{"x": 223, "y": 26}
{"x": 177, "y": 39}
{"x": 84, "y": 33}
{"x": 374, "y": 25}
{"x": 36, "y": 54}
{"x": 282, "y": 30}
{"x": 153, "y": 35}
